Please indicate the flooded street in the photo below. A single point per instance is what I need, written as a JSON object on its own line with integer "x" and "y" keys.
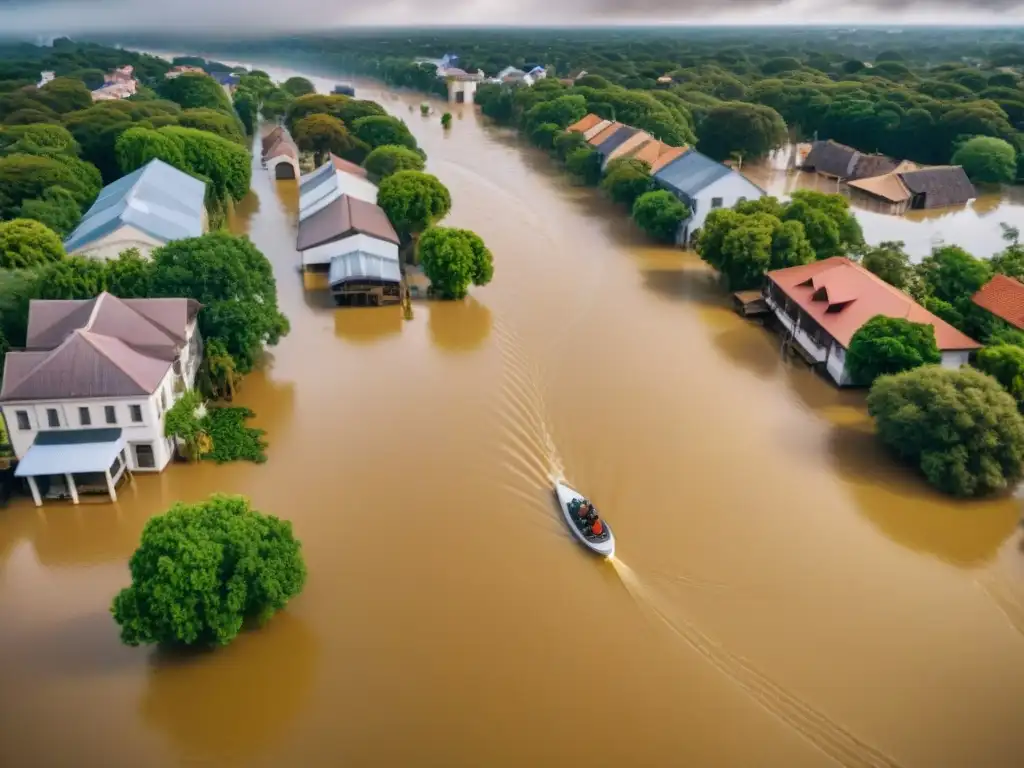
{"x": 785, "y": 594}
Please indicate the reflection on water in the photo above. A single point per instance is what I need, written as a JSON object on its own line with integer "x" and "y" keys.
{"x": 814, "y": 595}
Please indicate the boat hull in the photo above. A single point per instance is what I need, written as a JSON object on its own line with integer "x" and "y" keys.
{"x": 565, "y": 496}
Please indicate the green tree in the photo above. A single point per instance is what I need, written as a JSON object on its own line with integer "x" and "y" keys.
{"x": 37, "y": 139}
{"x": 379, "y": 130}
{"x": 743, "y": 247}
{"x": 315, "y": 104}
{"x": 247, "y": 106}
{"x": 137, "y": 146}
{"x": 413, "y": 201}
{"x": 390, "y": 159}
{"x": 568, "y": 142}
{"x": 129, "y": 276}
{"x": 453, "y": 259}
{"x": 890, "y": 262}
{"x": 202, "y": 570}
{"x": 276, "y": 103}
{"x": 350, "y": 110}
{"x": 953, "y": 275}
{"x": 446, "y": 120}
{"x": 194, "y": 90}
{"x": 736, "y": 128}
{"x": 227, "y": 126}
{"x": 585, "y": 165}
{"x": 562, "y": 111}
{"x": 65, "y": 94}
{"x": 27, "y": 243}
{"x": 27, "y": 177}
{"x": 885, "y": 345}
{"x": 184, "y": 421}
{"x": 73, "y": 278}
{"x": 987, "y": 160}
{"x": 659, "y": 214}
{"x": 298, "y": 86}
{"x": 830, "y": 225}
{"x": 235, "y": 284}
{"x": 322, "y": 135}
{"x": 57, "y": 209}
{"x": 626, "y": 179}
{"x": 544, "y": 135}
{"x": 227, "y": 165}
{"x": 1004, "y": 363}
{"x": 960, "y": 427}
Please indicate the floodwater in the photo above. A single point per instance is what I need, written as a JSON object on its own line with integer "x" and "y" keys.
{"x": 974, "y": 226}
{"x": 785, "y": 593}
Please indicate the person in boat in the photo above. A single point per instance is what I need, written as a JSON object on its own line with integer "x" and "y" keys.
{"x": 589, "y": 521}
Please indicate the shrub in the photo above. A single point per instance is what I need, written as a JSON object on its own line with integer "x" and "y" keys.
{"x": 885, "y": 345}
{"x": 659, "y": 214}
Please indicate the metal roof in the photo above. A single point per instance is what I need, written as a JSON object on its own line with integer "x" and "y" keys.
{"x": 360, "y": 265}
{"x": 70, "y": 451}
{"x": 618, "y": 138}
{"x": 693, "y": 172}
{"x": 157, "y": 199}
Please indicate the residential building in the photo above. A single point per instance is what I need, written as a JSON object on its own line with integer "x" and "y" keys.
{"x": 145, "y": 209}
{"x": 115, "y": 91}
{"x": 830, "y": 158}
{"x": 181, "y": 69}
{"x": 703, "y": 185}
{"x": 821, "y": 306}
{"x": 45, "y": 77}
{"x": 359, "y": 278}
{"x": 1003, "y": 297}
{"x": 911, "y": 187}
{"x": 612, "y": 140}
{"x": 596, "y": 139}
{"x": 590, "y": 126}
{"x": 657, "y": 154}
{"x": 270, "y": 137}
{"x": 346, "y": 225}
{"x": 85, "y": 399}
{"x": 626, "y": 148}
{"x": 329, "y": 182}
{"x": 281, "y": 157}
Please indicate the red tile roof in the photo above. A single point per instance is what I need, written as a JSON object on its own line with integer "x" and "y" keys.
{"x": 584, "y": 125}
{"x": 841, "y": 296}
{"x": 1003, "y": 297}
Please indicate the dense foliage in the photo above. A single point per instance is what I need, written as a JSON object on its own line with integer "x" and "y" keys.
{"x": 381, "y": 130}
{"x": 389, "y": 159}
{"x": 626, "y": 179}
{"x": 886, "y": 345}
{"x": 890, "y": 262}
{"x": 27, "y": 243}
{"x": 322, "y": 135}
{"x": 1004, "y": 363}
{"x": 453, "y": 259}
{"x": 231, "y": 439}
{"x": 202, "y": 570}
{"x": 659, "y": 214}
{"x": 193, "y": 90}
{"x": 987, "y": 160}
{"x": 960, "y": 427}
{"x": 413, "y": 201}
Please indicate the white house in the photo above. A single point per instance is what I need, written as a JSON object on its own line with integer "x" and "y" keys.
{"x": 703, "y": 185}
{"x": 344, "y": 226}
{"x": 45, "y": 77}
{"x": 330, "y": 181}
{"x": 821, "y": 306}
{"x": 145, "y": 209}
{"x": 282, "y": 158}
{"x": 86, "y": 398}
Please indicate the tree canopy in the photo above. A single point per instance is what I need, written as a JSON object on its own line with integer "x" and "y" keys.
{"x": 381, "y": 130}
{"x": 298, "y": 86}
{"x": 389, "y": 159}
{"x": 626, "y": 179}
{"x": 453, "y": 259}
{"x": 194, "y": 90}
{"x": 735, "y": 128}
{"x": 27, "y": 243}
{"x": 202, "y": 570}
{"x": 885, "y": 345}
{"x": 413, "y": 201}
{"x": 987, "y": 160}
{"x": 890, "y": 262}
{"x": 322, "y": 134}
{"x": 27, "y": 177}
{"x": 659, "y": 214}
{"x": 1004, "y": 363}
{"x": 960, "y": 427}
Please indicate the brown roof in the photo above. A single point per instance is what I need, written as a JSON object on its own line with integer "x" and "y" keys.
{"x": 658, "y": 154}
{"x": 272, "y": 136}
{"x": 888, "y": 187}
{"x": 345, "y": 166}
{"x": 630, "y": 145}
{"x": 584, "y": 125}
{"x": 841, "y": 296}
{"x": 102, "y": 347}
{"x": 283, "y": 146}
{"x": 1003, "y": 297}
{"x": 940, "y": 186}
{"x": 343, "y": 217}
{"x": 602, "y": 136}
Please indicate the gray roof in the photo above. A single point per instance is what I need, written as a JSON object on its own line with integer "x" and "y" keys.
{"x": 157, "y": 199}
{"x": 103, "y": 347}
{"x": 617, "y": 139}
{"x": 360, "y": 265}
{"x": 57, "y": 452}
{"x": 940, "y": 186}
{"x": 835, "y": 159}
{"x": 692, "y": 172}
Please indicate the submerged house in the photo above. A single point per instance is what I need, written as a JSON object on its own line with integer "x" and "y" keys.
{"x": 704, "y": 185}
{"x": 354, "y": 242}
{"x": 329, "y": 182}
{"x": 85, "y": 400}
{"x": 917, "y": 188}
{"x": 145, "y": 209}
{"x": 821, "y": 306}
{"x": 830, "y": 158}
{"x": 279, "y": 154}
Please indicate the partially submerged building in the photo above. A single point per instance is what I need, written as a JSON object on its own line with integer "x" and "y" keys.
{"x": 830, "y": 158}
{"x": 821, "y": 306}
{"x": 85, "y": 400}
{"x": 281, "y": 155}
{"x": 329, "y": 182}
{"x": 916, "y": 188}
{"x": 145, "y": 209}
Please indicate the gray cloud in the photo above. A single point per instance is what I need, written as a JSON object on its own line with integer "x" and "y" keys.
{"x": 71, "y": 16}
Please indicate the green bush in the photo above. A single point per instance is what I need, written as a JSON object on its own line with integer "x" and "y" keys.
{"x": 659, "y": 214}
{"x": 885, "y": 345}
{"x": 232, "y": 439}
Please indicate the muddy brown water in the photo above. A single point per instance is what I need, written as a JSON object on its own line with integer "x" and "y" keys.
{"x": 785, "y": 594}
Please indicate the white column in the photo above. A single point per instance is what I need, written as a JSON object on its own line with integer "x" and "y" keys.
{"x": 35, "y": 491}
{"x": 72, "y": 487}
{"x": 110, "y": 486}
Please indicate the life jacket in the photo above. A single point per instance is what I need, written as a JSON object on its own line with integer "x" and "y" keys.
{"x": 597, "y": 528}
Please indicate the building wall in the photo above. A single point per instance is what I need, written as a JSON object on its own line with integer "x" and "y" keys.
{"x": 955, "y": 358}
{"x": 731, "y": 188}
{"x": 122, "y": 238}
{"x": 322, "y": 254}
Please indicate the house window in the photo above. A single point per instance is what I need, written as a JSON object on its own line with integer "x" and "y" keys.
{"x": 144, "y": 458}
{"x": 716, "y": 202}
{"x": 136, "y": 414}
{"x": 22, "y": 417}
{"x": 52, "y": 417}
{"x": 85, "y": 417}
{"x": 110, "y": 413}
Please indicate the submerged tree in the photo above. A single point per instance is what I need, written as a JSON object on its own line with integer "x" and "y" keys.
{"x": 453, "y": 259}
{"x": 885, "y": 345}
{"x": 659, "y": 214}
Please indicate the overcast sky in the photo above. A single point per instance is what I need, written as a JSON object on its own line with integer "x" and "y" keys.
{"x": 70, "y": 16}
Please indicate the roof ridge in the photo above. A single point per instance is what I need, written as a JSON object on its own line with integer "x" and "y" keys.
{"x": 90, "y": 338}
{"x": 95, "y": 310}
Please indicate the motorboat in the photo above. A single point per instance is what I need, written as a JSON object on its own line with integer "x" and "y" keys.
{"x": 568, "y": 499}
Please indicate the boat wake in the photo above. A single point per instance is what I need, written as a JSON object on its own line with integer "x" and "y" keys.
{"x": 814, "y": 726}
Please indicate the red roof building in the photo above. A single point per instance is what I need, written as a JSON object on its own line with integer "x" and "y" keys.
{"x": 1003, "y": 297}
{"x": 823, "y": 304}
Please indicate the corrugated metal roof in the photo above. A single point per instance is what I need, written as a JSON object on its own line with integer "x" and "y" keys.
{"x": 616, "y": 140}
{"x": 313, "y": 178}
{"x": 360, "y": 265}
{"x": 157, "y": 199}
{"x": 70, "y": 451}
{"x": 690, "y": 173}
{"x": 331, "y": 186}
